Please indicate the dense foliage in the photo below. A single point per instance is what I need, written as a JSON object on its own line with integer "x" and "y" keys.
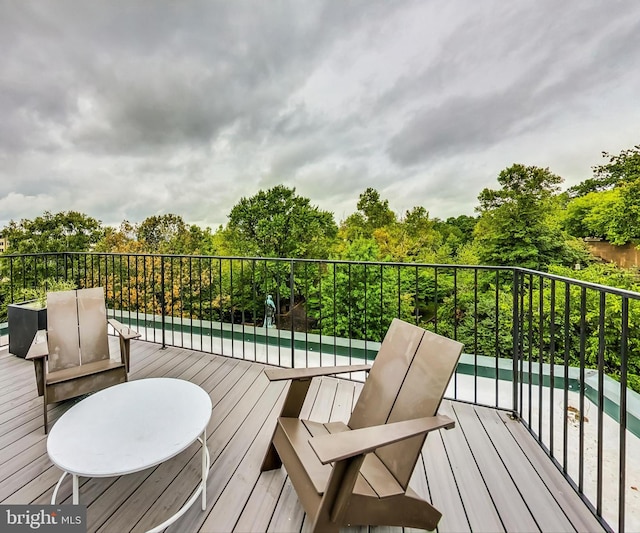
{"x": 608, "y": 205}
{"x": 60, "y": 232}
{"x": 362, "y": 279}
{"x": 516, "y": 225}
{"x": 279, "y": 223}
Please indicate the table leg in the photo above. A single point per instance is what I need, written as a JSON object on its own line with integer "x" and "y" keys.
{"x": 205, "y": 472}
{"x": 55, "y": 490}
{"x": 202, "y": 488}
{"x": 76, "y": 490}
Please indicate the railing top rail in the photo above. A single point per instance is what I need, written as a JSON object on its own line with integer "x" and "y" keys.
{"x": 589, "y": 285}
{"x": 278, "y": 259}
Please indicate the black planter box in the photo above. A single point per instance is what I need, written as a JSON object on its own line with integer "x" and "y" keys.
{"x": 25, "y": 319}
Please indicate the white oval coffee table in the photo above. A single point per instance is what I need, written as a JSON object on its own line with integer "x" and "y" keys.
{"x": 130, "y": 427}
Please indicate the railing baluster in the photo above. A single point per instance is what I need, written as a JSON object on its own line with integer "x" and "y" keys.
{"x": 291, "y": 306}
{"x": 540, "y": 354}
{"x": 334, "y": 321}
{"x": 622, "y": 451}
{"x": 455, "y": 325}
{"x": 306, "y": 315}
{"x": 475, "y": 335}
{"x": 435, "y": 300}
{"x": 496, "y": 345}
{"x": 583, "y": 326}
{"x": 552, "y": 363}
{"x": 530, "y": 351}
{"x": 231, "y": 307}
{"x": 255, "y": 316}
{"x": 516, "y": 343}
{"x": 162, "y": 302}
{"x": 242, "y": 310}
{"x": 321, "y": 267}
{"x": 567, "y": 344}
{"x": 599, "y": 458}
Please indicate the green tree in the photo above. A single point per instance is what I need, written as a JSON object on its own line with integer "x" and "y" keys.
{"x": 411, "y": 239}
{"x": 626, "y": 222}
{"x": 358, "y": 300}
{"x": 120, "y": 240}
{"x": 517, "y": 226}
{"x": 376, "y": 212}
{"x": 457, "y": 229}
{"x": 170, "y": 234}
{"x": 67, "y": 231}
{"x": 608, "y": 205}
{"x": 418, "y": 224}
{"x": 279, "y": 223}
{"x": 620, "y": 169}
{"x": 457, "y": 239}
{"x": 373, "y": 213}
{"x": 592, "y": 215}
{"x": 160, "y": 232}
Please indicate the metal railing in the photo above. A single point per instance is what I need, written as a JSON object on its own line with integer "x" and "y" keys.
{"x": 553, "y": 351}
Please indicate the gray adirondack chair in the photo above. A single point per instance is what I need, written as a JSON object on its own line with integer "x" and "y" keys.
{"x": 358, "y": 473}
{"x": 72, "y": 356}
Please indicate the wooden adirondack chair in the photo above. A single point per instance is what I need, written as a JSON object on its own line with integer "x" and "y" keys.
{"x": 72, "y": 356}
{"x": 358, "y": 473}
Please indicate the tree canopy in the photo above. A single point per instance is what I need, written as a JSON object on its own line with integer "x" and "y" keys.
{"x": 53, "y": 232}
{"x": 280, "y": 223}
{"x": 620, "y": 169}
{"x": 608, "y": 205}
{"x": 516, "y": 226}
{"x": 170, "y": 234}
{"x": 525, "y": 221}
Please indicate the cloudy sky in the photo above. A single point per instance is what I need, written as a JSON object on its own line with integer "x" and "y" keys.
{"x": 124, "y": 110}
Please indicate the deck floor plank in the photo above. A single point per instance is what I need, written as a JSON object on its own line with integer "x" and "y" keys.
{"x": 511, "y": 507}
{"x": 567, "y": 499}
{"x": 13, "y": 383}
{"x": 262, "y": 502}
{"x": 478, "y": 504}
{"x": 499, "y": 465}
{"x": 541, "y": 502}
{"x": 288, "y": 515}
{"x": 443, "y": 490}
{"x": 230, "y": 505}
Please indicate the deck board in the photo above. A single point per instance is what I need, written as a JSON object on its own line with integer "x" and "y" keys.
{"x": 478, "y": 503}
{"x": 443, "y": 490}
{"x": 509, "y": 503}
{"x": 487, "y": 474}
{"x": 539, "y": 500}
{"x": 567, "y": 499}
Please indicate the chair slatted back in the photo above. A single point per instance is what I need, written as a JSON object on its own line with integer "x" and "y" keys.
{"x": 62, "y": 330}
{"x": 407, "y": 380}
{"x": 92, "y": 325}
{"x": 76, "y": 328}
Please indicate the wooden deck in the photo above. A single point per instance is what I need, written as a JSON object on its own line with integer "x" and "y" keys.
{"x": 487, "y": 474}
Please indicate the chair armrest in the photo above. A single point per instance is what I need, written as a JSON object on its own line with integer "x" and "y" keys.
{"x": 278, "y": 374}
{"x": 339, "y": 446}
{"x": 124, "y": 331}
{"x": 39, "y": 347}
